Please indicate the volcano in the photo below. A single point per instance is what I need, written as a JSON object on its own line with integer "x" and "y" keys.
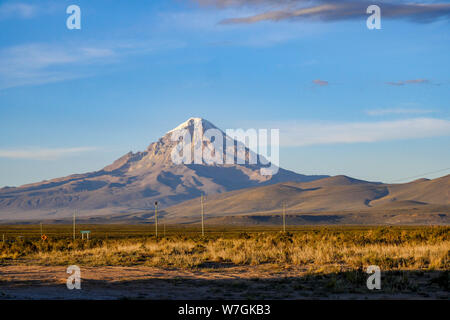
{"x": 135, "y": 181}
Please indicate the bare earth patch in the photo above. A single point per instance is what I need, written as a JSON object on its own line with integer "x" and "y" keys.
{"x": 236, "y": 282}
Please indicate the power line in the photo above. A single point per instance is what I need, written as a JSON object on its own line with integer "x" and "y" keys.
{"x": 421, "y": 175}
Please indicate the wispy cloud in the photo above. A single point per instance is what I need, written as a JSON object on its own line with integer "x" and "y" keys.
{"x": 321, "y": 83}
{"x": 383, "y": 112}
{"x": 205, "y": 22}
{"x": 405, "y": 82}
{"x": 307, "y": 134}
{"x": 17, "y": 9}
{"x": 41, "y": 63}
{"x": 43, "y": 153}
{"x": 329, "y": 10}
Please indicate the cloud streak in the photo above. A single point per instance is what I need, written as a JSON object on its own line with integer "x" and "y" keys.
{"x": 43, "y": 153}
{"x": 43, "y": 63}
{"x": 308, "y": 134}
{"x": 320, "y": 83}
{"x": 17, "y": 9}
{"x": 329, "y": 10}
{"x": 383, "y": 112}
{"x": 405, "y": 82}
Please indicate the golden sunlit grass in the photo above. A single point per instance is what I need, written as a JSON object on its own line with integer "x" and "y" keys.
{"x": 326, "y": 249}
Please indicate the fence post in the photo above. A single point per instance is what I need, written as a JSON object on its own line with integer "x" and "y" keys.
{"x": 156, "y": 218}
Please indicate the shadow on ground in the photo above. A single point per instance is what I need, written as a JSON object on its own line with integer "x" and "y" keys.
{"x": 341, "y": 285}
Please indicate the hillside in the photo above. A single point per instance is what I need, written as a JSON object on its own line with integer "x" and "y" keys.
{"x": 338, "y": 199}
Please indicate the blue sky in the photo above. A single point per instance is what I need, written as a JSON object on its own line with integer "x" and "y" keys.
{"x": 372, "y": 104}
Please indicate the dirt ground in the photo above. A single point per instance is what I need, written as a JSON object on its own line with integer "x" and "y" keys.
{"x": 243, "y": 282}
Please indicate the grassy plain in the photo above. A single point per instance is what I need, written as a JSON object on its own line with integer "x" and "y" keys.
{"x": 334, "y": 258}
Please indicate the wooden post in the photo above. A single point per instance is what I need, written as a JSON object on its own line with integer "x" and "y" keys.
{"x": 164, "y": 226}
{"x": 74, "y": 227}
{"x": 284, "y": 217}
{"x": 156, "y": 218}
{"x": 3, "y": 238}
{"x": 203, "y": 226}
{"x": 41, "y": 229}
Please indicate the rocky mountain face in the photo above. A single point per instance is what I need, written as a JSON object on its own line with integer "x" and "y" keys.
{"x": 133, "y": 182}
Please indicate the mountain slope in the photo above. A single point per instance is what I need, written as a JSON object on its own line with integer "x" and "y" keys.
{"x": 133, "y": 182}
{"x": 436, "y": 191}
{"x": 340, "y": 196}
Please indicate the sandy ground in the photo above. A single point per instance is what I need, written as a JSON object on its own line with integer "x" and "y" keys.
{"x": 243, "y": 282}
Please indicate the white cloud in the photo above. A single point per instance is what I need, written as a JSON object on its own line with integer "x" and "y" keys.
{"x": 17, "y": 9}
{"x": 97, "y": 52}
{"x": 205, "y": 22}
{"x": 382, "y": 112}
{"x": 43, "y": 153}
{"x": 43, "y": 63}
{"x": 40, "y": 63}
{"x": 307, "y": 134}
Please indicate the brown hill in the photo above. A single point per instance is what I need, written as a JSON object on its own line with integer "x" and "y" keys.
{"x": 338, "y": 199}
{"x": 426, "y": 191}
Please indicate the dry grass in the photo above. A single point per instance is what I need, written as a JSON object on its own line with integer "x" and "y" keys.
{"x": 320, "y": 250}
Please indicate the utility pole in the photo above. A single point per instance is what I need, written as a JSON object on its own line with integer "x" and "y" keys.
{"x": 156, "y": 218}
{"x": 203, "y": 225}
{"x": 74, "y": 226}
{"x": 284, "y": 217}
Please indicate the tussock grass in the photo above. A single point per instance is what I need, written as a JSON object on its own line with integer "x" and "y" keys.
{"x": 325, "y": 249}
